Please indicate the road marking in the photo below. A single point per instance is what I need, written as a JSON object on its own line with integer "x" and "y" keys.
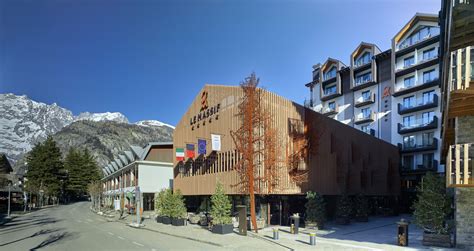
{"x": 110, "y": 233}
{"x": 120, "y": 237}
{"x": 138, "y": 244}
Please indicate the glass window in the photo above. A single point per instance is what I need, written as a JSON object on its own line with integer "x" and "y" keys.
{"x": 409, "y": 82}
{"x": 427, "y": 117}
{"x": 428, "y": 97}
{"x": 408, "y": 161}
{"x": 427, "y": 138}
{"x": 364, "y": 128}
{"x": 332, "y": 106}
{"x": 409, "y": 141}
{"x": 428, "y": 160}
{"x": 409, "y": 102}
{"x": 429, "y": 54}
{"x": 408, "y": 121}
{"x": 366, "y": 95}
{"x": 408, "y": 61}
{"x": 363, "y": 78}
{"x": 365, "y": 113}
{"x": 364, "y": 59}
{"x": 429, "y": 76}
{"x": 329, "y": 90}
{"x": 330, "y": 74}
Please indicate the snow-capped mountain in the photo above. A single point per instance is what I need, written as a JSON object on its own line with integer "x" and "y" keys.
{"x": 106, "y": 116}
{"x": 152, "y": 123}
{"x": 24, "y": 122}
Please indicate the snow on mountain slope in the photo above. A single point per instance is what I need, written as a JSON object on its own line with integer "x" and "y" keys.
{"x": 24, "y": 122}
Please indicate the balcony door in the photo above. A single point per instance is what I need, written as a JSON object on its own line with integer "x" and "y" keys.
{"x": 427, "y": 117}
{"x": 428, "y": 97}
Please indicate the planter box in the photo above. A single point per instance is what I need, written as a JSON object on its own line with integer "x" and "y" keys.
{"x": 260, "y": 224}
{"x": 166, "y": 220}
{"x": 315, "y": 225}
{"x": 194, "y": 219}
{"x": 343, "y": 221}
{"x": 437, "y": 240}
{"x": 159, "y": 219}
{"x": 223, "y": 228}
{"x": 178, "y": 222}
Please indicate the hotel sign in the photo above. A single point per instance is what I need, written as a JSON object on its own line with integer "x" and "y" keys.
{"x": 206, "y": 113}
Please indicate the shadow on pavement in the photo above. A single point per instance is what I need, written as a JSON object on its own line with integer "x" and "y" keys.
{"x": 41, "y": 232}
{"x": 54, "y": 239}
{"x": 18, "y": 225}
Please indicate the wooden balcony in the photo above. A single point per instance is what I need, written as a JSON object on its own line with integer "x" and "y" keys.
{"x": 460, "y": 165}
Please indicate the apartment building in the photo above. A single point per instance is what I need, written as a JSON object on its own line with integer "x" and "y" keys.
{"x": 393, "y": 95}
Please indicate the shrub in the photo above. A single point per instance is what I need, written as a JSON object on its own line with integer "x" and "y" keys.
{"x": 315, "y": 208}
{"x": 361, "y": 206}
{"x": 432, "y": 205}
{"x": 159, "y": 199}
{"x": 344, "y": 208}
{"x": 221, "y": 206}
{"x": 177, "y": 209}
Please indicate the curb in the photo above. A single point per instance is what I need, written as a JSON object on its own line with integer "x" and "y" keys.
{"x": 184, "y": 237}
{"x": 254, "y": 235}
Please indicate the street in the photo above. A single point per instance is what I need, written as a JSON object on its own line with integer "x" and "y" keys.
{"x": 75, "y": 227}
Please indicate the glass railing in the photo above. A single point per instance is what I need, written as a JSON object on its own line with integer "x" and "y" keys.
{"x": 417, "y": 123}
{"x": 418, "y": 102}
{"x": 404, "y": 87}
{"x": 410, "y": 42}
{"x": 362, "y": 116}
{"x": 329, "y": 92}
{"x": 420, "y": 61}
{"x": 362, "y": 80}
{"x": 364, "y": 99}
{"x": 361, "y": 62}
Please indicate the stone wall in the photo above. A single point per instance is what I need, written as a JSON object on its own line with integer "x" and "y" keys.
{"x": 465, "y": 130}
{"x": 464, "y": 199}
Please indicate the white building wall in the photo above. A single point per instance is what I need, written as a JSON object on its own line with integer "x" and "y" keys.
{"x": 154, "y": 177}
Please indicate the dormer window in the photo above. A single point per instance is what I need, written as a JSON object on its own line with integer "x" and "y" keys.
{"x": 420, "y": 35}
{"x": 329, "y": 90}
{"x": 363, "y": 78}
{"x": 330, "y": 74}
{"x": 363, "y": 59}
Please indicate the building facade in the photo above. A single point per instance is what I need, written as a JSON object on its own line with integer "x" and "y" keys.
{"x": 145, "y": 170}
{"x": 339, "y": 159}
{"x": 394, "y": 95}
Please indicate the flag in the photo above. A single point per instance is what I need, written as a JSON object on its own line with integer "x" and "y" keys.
{"x": 201, "y": 146}
{"x": 216, "y": 142}
{"x": 179, "y": 154}
{"x": 190, "y": 150}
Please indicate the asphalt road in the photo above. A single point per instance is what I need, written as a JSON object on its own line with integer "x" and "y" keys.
{"x": 75, "y": 227}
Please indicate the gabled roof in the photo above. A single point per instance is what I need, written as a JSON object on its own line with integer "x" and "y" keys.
{"x": 119, "y": 162}
{"x": 152, "y": 144}
{"x": 362, "y": 46}
{"x": 129, "y": 156}
{"x": 137, "y": 151}
{"x": 413, "y": 21}
{"x": 124, "y": 159}
{"x": 116, "y": 167}
{"x": 328, "y": 62}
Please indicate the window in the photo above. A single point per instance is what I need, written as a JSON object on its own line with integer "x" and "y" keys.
{"x": 409, "y": 102}
{"x": 430, "y": 54}
{"x": 428, "y": 97}
{"x": 363, "y": 78}
{"x": 365, "y": 95}
{"x": 429, "y": 76}
{"x": 427, "y": 138}
{"x": 364, "y": 128}
{"x": 409, "y": 61}
{"x": 365, "y": 113}
{"x": 428, "y": 160}
{"x": 427, "y": 117}
{"x": 364, "y": 59}
{"x": 330, "y": 74}
{"x": 329, "y": 90}
{"x": 421, "y": 34}
{"x": 408, "y": 162}
{"x": 409, "y": 141}
{"x": 408, "y": 121}
{"x": 332, "y": 106}
{"x": 409, "y": 82}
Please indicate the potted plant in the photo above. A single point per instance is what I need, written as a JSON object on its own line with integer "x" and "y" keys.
{"x": 166, "y": 206}
{"x": 315, "y": 210}
{"x": 361, "y": 208}
{"x": 221, "y": 211}
{"x": 343, "y": 211}
{"x": 178, "y": 209}
{"x": 159, "y": 198}
{"x": 431, "y": 210}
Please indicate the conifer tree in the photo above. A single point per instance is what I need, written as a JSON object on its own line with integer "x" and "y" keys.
{"x": 315, "y": 209}
{"x": 221, "y": 206}
{"x": 432, "y": 205}
{"x": 344, "y": 208}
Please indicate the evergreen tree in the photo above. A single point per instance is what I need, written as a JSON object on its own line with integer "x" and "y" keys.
{"x": 315, "y": 208}
{"x": 221, "y": 206}
{"x": 82, "y": 170}
{"x": 177, "y": 207}
{"x": 432, "y": 205}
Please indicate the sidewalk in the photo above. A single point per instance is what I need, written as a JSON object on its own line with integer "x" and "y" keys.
{"x": 377, "y": 234}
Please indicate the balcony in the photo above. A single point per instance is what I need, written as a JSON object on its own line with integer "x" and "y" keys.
{"x": 361, "y": 118}
{"x": 406, "y": 148}
{"x": 405, "y": 49}
{"x": 460, "y": 165}
{"x": 362, "y": 66}
{"x": 421, "y": 104}
{"x": 369, "y": 131}
{"x": 330, "y": 95}
{"x": 365, "y": 100}
{"x": 420, "y": 168}
{"x": 363, "y": 84}
{"x": 418, "y": 125}
{"x": 329, "y": 111}
{"x": 420, "y": 65}
{"x": 418, "y": 86}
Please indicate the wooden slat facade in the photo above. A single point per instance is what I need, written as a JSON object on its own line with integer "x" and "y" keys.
{"x": 341, "y": 158}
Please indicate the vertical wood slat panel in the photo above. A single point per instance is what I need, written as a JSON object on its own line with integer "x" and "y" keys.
{"x": 457, "y": 164}
{"x": 466, "y": 164}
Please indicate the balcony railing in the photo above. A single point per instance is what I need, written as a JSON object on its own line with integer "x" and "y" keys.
{"x": 364, "y": 118}
{"x": 460, "y": 165}
{"x": 365, "y": 100}
{"x": 425, "y": 146}
{"x": 418, "y": 125}
{"x": 328, "y": 110}
{"x": 420, "y": 62}
{"x": 420, "y": 85}
{"x": 423, "y": 167}
{"x": 419, "y": 104}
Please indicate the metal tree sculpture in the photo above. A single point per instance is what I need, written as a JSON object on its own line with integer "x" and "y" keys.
{"x": 256, "y": 142}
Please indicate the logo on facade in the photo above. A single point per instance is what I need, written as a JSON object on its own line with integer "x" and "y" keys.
{"x": 387, "y": 92}
{"x": 204, "y": 103}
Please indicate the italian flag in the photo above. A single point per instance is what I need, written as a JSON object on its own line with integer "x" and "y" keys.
{"x": 179, "y": 154}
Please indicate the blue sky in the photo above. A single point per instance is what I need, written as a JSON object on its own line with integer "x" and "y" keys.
{"x": 149, "y": 59}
